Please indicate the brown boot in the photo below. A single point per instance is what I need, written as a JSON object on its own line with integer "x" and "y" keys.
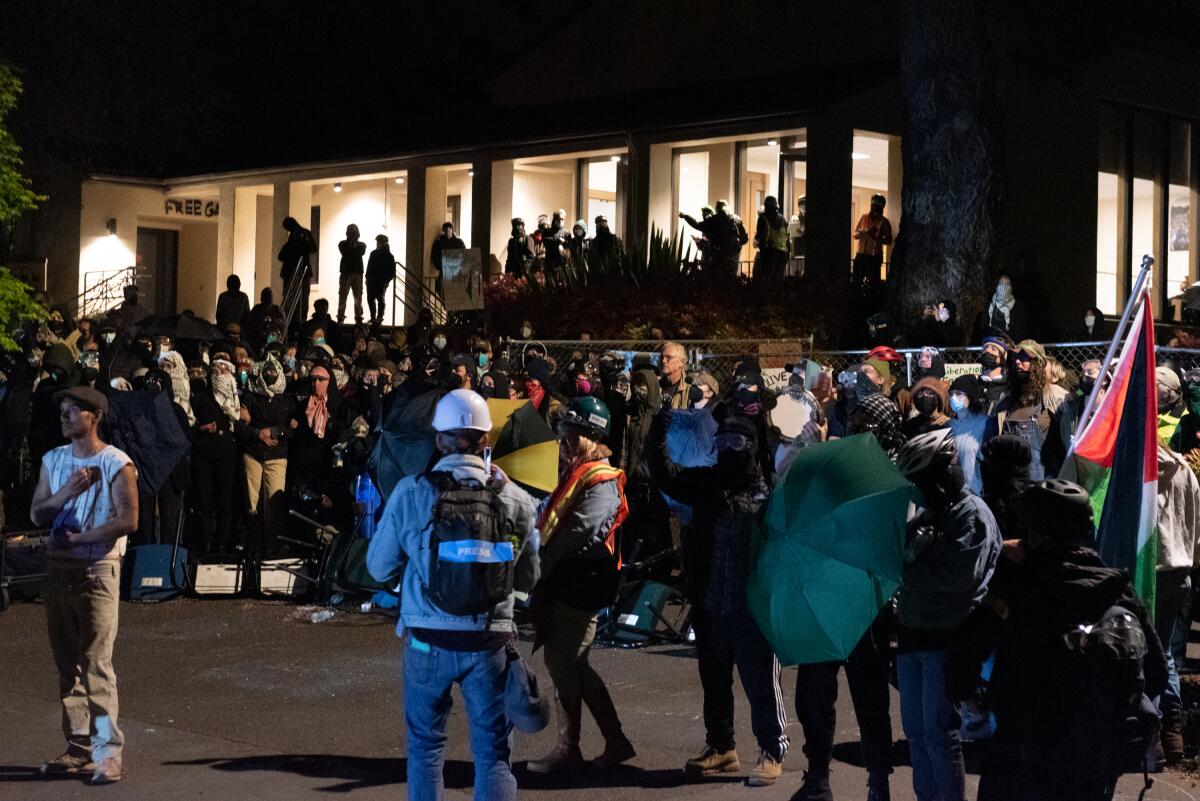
{"x": 1172, "y": 739}
{"x": 565, "y": 755}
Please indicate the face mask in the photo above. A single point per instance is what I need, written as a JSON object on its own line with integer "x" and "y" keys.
{"x": 270, "y": 377}
{"x": 272, "y": 338}
{"x": 439, "y": 342}
{"x": 243, "y": 377}
{"x": 1086, "y": 385}
{"x": 537, "y": 394}
{"x": 289, "y": 362}
{"x": 108, "y": 337}
{"x": 526, "y": 332}
{"x": 943, "y": 315}
{"x": 958, "y": 403}
{"x": 1003, "y": 293}
{"x": 198, "y": 384}
{"x": 164, "y": 351}
{"x": 989, "y": 361}
{"x": 319, "y": 341}
{"x": 583, "y": 386}
{"x": 925, "y": 404}
{"x": 340, "y": 378}
{"x": 482, "y": 359}
{"x": 1089, "y": 321}
{"x": 747, "y": 403}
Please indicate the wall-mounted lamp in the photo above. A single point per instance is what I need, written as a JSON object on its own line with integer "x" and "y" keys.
{"x": 111, "y": 226}
{"x": 399, "y": 179}
{"x": 337, "y": 187}
{"x": 771, "y": 143}
{"x": 470, "y": 173}
{"x": 616, "y": 159}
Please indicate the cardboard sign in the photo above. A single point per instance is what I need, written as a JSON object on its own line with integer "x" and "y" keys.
{"x": 953, "y": 371}
{"x": 462, "y": 279}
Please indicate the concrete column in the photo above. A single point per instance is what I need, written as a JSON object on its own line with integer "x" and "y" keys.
{"x": 830, "y": 143}
{"x": 658, "y": 211}
{"x": 244, "y": 225}
{"x": 502, "y": 210}
{"x": 481, "y": 214}
{"x": 281, "y": 206}
{"x": 637, "y": 210}
{"x": 414, "y": 239}
{"x": 895, "y": 183}
{"x": 225, "y": 226}
{"x": 435, "y": 215}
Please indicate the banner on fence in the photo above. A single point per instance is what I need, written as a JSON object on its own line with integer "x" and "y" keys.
{"x": 462, "y": 279}
{"x": 953, "y": 371}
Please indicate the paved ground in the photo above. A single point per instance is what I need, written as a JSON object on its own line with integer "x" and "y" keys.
{"x": 241, "y": 700}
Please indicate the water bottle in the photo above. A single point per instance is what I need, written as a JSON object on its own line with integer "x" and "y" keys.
{"x": 322, "y": 616}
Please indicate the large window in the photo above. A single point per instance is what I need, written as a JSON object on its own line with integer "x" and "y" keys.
{"x": 871, "y": 174}
{"x": 1144, "y": 191}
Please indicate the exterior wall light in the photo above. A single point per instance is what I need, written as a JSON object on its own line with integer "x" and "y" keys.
{"x": 470, "y": 173}
{"x": 616, "y": 159}
{"x": 771, "y": 143}
{"x": 337, "y": 187}
{"x": 399, "y": 179}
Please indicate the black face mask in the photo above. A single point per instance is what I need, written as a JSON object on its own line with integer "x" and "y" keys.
{"x": 198, "y": 384}
{"x": 926, "y": 405}
{"x": 1086, "y": 386}
{"x": 269, "y": 377}
{"x": 736, "y": 468}
{"x": 989, "y": 361}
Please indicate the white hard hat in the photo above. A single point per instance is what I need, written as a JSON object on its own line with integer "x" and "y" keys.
{"x": 462, "y": 408}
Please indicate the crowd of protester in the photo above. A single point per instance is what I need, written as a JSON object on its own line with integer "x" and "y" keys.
{"x": 280, "y": 421}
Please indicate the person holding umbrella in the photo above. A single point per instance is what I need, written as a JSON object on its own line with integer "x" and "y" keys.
{"x": 725, "y": 499}
{"x": 580, "y": 559}
{"x": 950, "y": 553}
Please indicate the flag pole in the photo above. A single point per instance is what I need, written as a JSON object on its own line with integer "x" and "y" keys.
{"x": 1140, "y": 287}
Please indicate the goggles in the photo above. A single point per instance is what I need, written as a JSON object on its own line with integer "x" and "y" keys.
{"x": 732, "y": 441}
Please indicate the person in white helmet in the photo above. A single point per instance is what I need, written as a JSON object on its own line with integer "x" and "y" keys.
{"x": 460, "y": 542}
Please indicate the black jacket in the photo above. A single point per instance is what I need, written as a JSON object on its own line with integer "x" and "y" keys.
{"x": 381, "y": 267}
{"x": 214, "y": 446}
{"x": 352, "y": 256}
{"x": 276, "y": 412}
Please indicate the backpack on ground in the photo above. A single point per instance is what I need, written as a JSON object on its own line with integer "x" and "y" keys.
{"x": 472, "y": 547}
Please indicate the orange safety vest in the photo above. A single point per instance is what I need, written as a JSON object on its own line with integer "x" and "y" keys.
{"x": 584, "y": 476}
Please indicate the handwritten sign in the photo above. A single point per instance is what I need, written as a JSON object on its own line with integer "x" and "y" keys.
{"x": 953, "y": 371}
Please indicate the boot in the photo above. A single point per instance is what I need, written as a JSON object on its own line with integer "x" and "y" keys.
{"x": 815, "y": 786}
{"x": 712, "y": 762}
{"x": 565, "y": 755}
{"x": 1172, "y": 739}
{"x": 617, "y": 748}
{"x": 878, "y": 788}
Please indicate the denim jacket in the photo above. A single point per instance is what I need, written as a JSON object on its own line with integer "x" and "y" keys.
{"x": 399, "y": 551}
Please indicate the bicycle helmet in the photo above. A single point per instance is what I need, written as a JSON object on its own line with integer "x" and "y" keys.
{"x": 1060, "y": 509}
{"x": 589, "y": 415}
{"x": 884, "y": 352}
{"x": 933, "y": 450}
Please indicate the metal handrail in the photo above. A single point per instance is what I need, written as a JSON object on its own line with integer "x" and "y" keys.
{"x": 106, "y": 292}
{"x": 294, "y": 291}
{"x": 428, "y": 296}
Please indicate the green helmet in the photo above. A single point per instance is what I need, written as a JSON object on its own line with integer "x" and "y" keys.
{"x": 591, "y": 415}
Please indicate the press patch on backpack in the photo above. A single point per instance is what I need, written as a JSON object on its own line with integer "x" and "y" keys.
{"x": 479, "y": 551}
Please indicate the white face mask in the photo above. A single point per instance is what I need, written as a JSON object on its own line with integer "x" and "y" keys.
{"x": 526, "y": 332}
{"x": 1089, "y": 320}
{"x": 1003, "y": 292}
{"x": 108, "y": 337}
{"x": 439, "y": 342}
{"x": 943, "y": 314}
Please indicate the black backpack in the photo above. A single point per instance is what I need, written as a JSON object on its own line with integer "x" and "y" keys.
{"x": 1107, "y": 721}
{"x": 472, "y": 547}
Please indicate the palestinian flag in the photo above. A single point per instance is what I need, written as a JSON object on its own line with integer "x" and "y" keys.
{"x": 1116, "y": 456}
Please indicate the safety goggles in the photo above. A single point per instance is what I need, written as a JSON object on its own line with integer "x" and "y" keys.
{"x": 732, "y": 441}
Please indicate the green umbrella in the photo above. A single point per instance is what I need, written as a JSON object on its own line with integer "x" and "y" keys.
{"x": 830, "y": 549}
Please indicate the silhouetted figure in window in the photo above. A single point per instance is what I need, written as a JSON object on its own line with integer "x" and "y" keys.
{"x": 771, "y": 239}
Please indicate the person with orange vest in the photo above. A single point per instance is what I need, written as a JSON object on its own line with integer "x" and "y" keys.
{"x": 581, "y": 560}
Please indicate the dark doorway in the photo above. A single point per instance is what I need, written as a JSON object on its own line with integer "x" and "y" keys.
{"x": 157, "y": 262}
{"x": 314, "y": 225}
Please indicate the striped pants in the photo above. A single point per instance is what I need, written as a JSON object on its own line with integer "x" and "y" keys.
{"x": 726, "y": 641}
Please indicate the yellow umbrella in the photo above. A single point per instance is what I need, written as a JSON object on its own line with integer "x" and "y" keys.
{"x": 524, "y": 445}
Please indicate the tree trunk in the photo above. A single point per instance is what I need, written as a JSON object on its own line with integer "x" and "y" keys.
{"x": 947, "y": 246}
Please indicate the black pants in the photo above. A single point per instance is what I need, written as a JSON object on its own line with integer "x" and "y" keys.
{"x": 816, "y": 703}
{"x": 169, "y": 506}
{"x": 723, "y": 641}
{"x": 375, "y": 301}
{"x": 212, "y": 498}
{"x": 1005, "y": 776}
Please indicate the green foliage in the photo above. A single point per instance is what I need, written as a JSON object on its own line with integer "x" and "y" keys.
{"x": 16, "y": 196}
{"x": 16, "y": 306}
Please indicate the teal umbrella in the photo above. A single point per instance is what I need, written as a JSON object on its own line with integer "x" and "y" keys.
{"x": 829, "y": 549}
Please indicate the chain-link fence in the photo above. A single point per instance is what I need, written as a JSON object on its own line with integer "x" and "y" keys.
{"x": 720, "y": 356}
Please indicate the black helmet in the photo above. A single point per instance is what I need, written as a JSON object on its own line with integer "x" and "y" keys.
{"x": 1061, "y": 510}
{"x": 934, "y": 450}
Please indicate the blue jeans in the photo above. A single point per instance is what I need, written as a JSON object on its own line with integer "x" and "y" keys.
{"x": 429, "y": 673}
{"x": 931, "y": 725}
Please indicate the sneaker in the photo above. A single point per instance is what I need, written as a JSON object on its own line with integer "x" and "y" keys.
{"x": 766, "y": 771}
{"x": 815, "y": 787}
{"x": 615, "y": 753}
{"x": 712, "y": 762}
{"x": 67, "y": 763}
{"x": 561, "y": 758}
{"x": 108, "y": 770}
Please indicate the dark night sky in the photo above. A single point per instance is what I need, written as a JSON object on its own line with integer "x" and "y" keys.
{"x": 168, "y": 88}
